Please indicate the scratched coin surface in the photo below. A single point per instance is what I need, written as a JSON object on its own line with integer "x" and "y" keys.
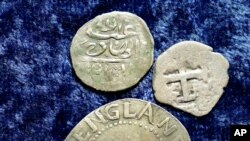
{"x": 112, "y": 51}
{"x": 190, "y": 77}
{"x": 129, "y": 120}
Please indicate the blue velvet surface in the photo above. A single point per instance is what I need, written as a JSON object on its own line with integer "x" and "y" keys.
{"x": 42, "y": 99}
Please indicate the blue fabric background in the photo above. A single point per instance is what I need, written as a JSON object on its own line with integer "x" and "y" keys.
{"x": 42, "y": 99}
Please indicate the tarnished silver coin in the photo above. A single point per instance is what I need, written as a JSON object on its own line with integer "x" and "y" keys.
{"x": 129, "y": 120}
{"x": 190, "y": 77}
{"x": 112, "y": 51}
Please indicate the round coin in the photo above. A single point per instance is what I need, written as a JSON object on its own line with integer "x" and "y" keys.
{"x": 129, "y": 120}
{"x": 190, "y": 77}
{"x": 112, "y": 51}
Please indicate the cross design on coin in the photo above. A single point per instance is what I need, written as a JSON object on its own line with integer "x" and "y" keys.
{"x": 183, "y": 77}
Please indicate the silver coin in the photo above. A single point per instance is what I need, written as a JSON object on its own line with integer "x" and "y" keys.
{"x": 129, "y": 120}
{"x": 190, "y": 77}
{"x": 112, "y": 51}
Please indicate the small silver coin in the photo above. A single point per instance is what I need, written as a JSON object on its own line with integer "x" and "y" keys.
{"x": 112, "y": 51}
{"x": 129, "y": 120}
{"x": 190, "y": 77}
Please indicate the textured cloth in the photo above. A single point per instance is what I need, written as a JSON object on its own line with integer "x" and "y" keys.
{"x": 41, "y": 97}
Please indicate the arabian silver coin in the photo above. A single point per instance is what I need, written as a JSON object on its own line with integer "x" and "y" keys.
{"x": 112, "y": 51}
{"x": 190, "y": 77}
{"x": 129, "y": 120}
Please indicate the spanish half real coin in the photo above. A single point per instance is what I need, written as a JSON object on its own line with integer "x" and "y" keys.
{"x": 190, "y": 77}
{"x": 112, "y": 51}
{"x": 129, "y": 120}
